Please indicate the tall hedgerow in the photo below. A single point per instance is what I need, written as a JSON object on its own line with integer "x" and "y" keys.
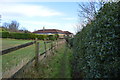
{"x": 97, "y": 46}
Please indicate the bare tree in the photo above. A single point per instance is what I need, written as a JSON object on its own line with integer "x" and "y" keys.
{"x": 88, "y": 10}
{"x": 78, "y": 27}
{"x": 14, "y": 26}
{"x": 6, "y": 25}
{"x": 23, "y": 29}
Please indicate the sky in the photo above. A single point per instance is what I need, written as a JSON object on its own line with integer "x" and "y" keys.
{"x": 35, "y": 14}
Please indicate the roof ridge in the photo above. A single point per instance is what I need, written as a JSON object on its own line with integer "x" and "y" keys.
{"x": 52, "y": 31}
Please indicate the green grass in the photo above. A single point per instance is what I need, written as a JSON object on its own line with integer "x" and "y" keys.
{"x": 61, "y": 66}
{"x": 54, "y": 66}
{"x": 0, "y": 66}
{"x": 7, "y": 43}
{"x": 15, "y": 58}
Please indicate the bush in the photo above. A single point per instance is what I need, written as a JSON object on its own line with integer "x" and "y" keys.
{"x": 32, "y": 36}
{"x": 20, "y": 35}
{"x": 41, "y": 37}
{"x": 27, "y": 36}
{"x": 96, "y": 47}
{"x": 4, "y": 34}
{"x": 69, "y": 41}
{"x": 51, "y": 37}
{"x": 15, "y": 35}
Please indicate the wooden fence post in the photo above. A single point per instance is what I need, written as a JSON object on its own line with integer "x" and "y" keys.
{"x": 52, "y": 47}
{"x": 36, "y": 52}
{"x": 45, "y": 47}
{"x": 57, "y": 42}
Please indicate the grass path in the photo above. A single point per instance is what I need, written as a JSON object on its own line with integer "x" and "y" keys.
{"x": 61, "y": 66}
{"x": 65, "y": 69}
{"x": 62, "y": 72}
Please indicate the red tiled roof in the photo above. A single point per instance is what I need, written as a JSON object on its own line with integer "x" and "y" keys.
{"x": 67, "y": 32}
{"x": 52, "y": 31}
{"x": 49, "y": 31}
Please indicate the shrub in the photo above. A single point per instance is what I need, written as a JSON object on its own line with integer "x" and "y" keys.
{"x": 51, "y": 37}
{"x": 41, "y": 37}
{"x": 96, "y": 47}
{"x": 32, "y": 36}
{"x": 16, "y": 35}
{"x": 20, "y": 35}
{"x": 4, "y": 34}
{"x": 56, "y": 36}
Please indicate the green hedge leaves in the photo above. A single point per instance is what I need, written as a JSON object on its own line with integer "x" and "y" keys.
{"x": 15, "y": 35}
{"x": 97, "y": 47}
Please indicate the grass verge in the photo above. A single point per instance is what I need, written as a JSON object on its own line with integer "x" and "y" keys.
{"x": 53, "y": 66}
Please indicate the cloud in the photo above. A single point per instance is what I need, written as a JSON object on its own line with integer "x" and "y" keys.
{"x": 36, "y": 25}
{"x": 40, "y": 23}
{"x": 50, "y": 0}
{"x": 42, "y": 0}
{"x": 27, "y": 10}
{"x": 69, "y": 18}
{"x": 67, "y": 27}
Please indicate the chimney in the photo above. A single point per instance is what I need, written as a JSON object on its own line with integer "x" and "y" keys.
{"x": 43, "y": 28}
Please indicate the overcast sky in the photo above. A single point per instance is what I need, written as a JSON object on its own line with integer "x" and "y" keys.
{"x": 36, "y": 14}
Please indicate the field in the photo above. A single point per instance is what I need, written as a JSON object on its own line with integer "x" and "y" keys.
{"x": 19, "y": 57}
{"x": 57, "y": 65}
{"x": 7, "y": 43}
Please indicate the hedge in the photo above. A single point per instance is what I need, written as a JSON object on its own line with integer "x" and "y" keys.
{"x": 15, "y": 35}
{"x": 52, "y": 37}
{"x": 4, "y": 34}
{"x": 42, "y": 37}
{"x": 20, "y": 35}
{"x": 96, "y": 48}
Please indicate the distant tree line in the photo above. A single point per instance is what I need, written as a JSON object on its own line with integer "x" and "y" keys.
{"x": 11, "y": 30}
{"x": 14, "y": 26}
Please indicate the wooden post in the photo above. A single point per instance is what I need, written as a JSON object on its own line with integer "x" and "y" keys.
{"x": 36, "y": 52}
{"x": 57, "y": 42}
{"x": 45, "y": 47}
{"x": 52, "y": 47}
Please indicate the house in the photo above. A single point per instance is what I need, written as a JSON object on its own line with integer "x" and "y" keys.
{"x": 61, "y": 33}
{"x": 68, "y": 34}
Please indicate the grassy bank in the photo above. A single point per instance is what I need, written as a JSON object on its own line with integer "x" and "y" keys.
{"x": 56, "y": 65}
